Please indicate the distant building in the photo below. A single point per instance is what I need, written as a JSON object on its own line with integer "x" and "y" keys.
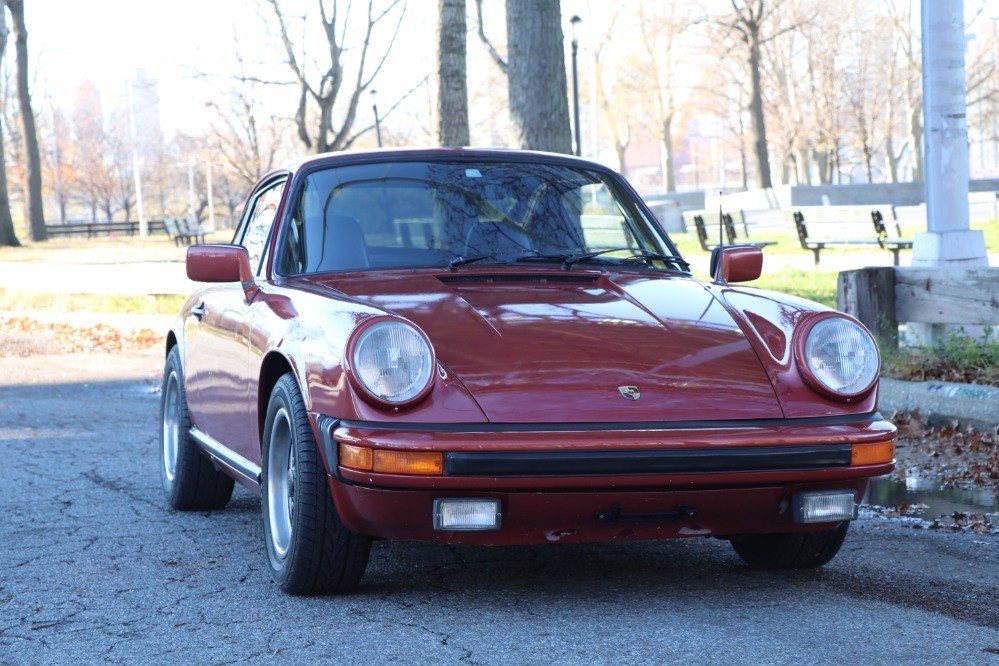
{"x": 146, "y": 107}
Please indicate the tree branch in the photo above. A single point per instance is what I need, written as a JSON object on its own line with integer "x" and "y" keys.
{"x": 485, "y": 40}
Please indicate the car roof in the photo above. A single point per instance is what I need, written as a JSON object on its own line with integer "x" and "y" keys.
{"x": 436, "y": 154}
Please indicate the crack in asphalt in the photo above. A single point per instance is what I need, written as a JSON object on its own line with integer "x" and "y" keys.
{"x": 443, "y": 638}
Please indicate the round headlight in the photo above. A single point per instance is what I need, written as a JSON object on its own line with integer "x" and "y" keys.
{"x": 839, "y": 358}
{"x": 393, "y": 362}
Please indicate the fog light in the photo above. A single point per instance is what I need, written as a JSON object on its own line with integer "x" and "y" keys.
{"x": 827, "y": 506}
{"x": 466, "y": 514}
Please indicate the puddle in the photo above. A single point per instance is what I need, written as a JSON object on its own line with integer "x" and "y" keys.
{"x": 913, "y": 490}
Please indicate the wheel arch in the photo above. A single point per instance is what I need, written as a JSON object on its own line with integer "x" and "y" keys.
{"x": 171, "y": 342}
{"x": 274, "y": 366}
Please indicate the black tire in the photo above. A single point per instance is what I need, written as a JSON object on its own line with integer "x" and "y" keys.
{"x": 309, "y": 551}
{"x": 794, "y": 550}
{"x": 190, "y": 480}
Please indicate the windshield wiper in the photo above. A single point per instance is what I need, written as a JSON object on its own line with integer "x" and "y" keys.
{"x": 461, "y": 261}
{"x": 568, "y": 262}
{"x": 538, "y": 256}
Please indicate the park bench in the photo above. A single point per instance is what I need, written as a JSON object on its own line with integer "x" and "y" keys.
{"x": 706, "y": 225}
{"x": 826, "y": 227}
{"x": 195, "y": 230}
{"x": 173, "y": 231}
{"x": 186, "y": 230}
{"x": 91, "y": 229}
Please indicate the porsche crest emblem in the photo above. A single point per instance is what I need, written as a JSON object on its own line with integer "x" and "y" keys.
{"x": 629, "y": 392}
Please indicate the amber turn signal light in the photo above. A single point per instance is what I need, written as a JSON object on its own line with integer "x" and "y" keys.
{"x": 355, "y": 457}
{"x": 872, "y": 454}
{"x": 391, "y": 462}
{"x": 409, "y": 462}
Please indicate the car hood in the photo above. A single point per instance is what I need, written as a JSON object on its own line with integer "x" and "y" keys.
{"x": 557, "y": 346}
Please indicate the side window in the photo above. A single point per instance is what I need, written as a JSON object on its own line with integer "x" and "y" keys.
{"x": 259, "y": 221}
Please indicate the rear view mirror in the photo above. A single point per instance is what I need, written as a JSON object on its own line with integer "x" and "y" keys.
{"x": 218, "y": 263}
{"x": 736, "y": 263}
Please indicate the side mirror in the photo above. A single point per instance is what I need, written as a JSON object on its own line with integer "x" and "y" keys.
{"x": 736, "y": 263}
{"x": 218, "y": 263}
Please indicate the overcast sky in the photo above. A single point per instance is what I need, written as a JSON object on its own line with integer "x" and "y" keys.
{"x": 104, "y": 41}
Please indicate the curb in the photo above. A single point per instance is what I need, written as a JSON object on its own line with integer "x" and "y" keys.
{"x": 943, "y": 402}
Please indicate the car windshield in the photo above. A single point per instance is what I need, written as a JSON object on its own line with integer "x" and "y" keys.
{"x": 437, "y": 214}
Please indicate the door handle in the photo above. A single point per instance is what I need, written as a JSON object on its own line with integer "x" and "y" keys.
{"x": 199, "y": 311}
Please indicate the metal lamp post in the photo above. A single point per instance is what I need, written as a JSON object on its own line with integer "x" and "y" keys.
{"x": 575, "y": 21}
{"x": 378, "y": 122}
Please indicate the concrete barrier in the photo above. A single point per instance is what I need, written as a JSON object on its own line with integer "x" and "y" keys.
{"x": 941, "y": 403}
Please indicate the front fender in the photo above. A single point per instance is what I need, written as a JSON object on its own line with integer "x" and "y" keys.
{"x": 769, "y": 320}
{"x": 309, "y": 332}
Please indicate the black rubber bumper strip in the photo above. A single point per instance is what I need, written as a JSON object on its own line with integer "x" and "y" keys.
{"x": 673, "y": 461}
{"x": 628, "y": 426}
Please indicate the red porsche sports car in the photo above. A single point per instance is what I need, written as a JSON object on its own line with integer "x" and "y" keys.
{"x": 501, "y": 347}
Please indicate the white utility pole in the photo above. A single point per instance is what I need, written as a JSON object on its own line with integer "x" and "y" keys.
{"x": 190, "y": 191}
{"x": 211, "y": 199}
{"x": 948, "y": 239}
{"x": 143, "y": 225}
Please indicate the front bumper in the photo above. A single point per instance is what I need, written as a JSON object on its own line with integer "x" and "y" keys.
{"x": 560, "y": 483}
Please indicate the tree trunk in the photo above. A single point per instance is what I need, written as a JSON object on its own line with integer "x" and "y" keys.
{"x": 756, "y": 110}
{"x": 452, "y": 97}
{"x": 8, "y": 237}
{"x": 805, "y": 162}
{"x": 33, "y": 165}
{"x": 621, "y": 149}
{"x": 891, "y": 158}
{"x": 669, "y": 154}
{"x": 916, "y": 142}
{"x": 539, "y": 102}
{"x": 822, "y": 164}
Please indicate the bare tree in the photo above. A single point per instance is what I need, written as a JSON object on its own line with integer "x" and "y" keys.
{"x": 662, "y": 25}
{"x": 620, "y": 88}
{"x": 90, "y": 142}
{"x": 34, "y": 163}
{"x": 452, "y": 77}
{"x": 7, "y": 236}
{"x": 247, "y": 142}
{"x": 58, "y": 173}
{"x": 119, "y": 181}
{"x": 322, "y": 90}
{"x": 535, "y": 68}
{"x": 754, "y": 21}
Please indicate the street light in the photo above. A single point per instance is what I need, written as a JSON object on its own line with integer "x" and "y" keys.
{"x": 575, "y": 21}
{"x": 378, "y": 122}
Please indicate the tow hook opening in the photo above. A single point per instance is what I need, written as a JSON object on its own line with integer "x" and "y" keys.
{"x": 617, "y": 515}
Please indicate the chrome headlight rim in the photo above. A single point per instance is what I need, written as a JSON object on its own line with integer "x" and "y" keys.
{"x": 802, "y": 333}
{"x": 358, "y": 335}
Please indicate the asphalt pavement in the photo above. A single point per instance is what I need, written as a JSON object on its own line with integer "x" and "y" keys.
{"x": 97, "y": 569}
